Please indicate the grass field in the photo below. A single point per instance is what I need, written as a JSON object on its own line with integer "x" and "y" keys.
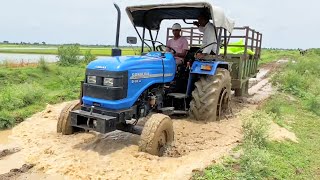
{"x": 27, "y": 90}
{"x": 296, "y": 107}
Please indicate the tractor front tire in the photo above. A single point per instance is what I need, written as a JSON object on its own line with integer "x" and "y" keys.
{"x": 64, "y": 121}
{"x": 207, "y": 95}
{"x": 157, "y": 135}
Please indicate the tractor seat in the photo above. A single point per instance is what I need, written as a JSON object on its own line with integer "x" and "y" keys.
{"x": 178, "y": 95}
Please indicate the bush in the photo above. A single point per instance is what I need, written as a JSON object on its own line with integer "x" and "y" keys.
{"x": 313, "y": 104}
{"x": 69, "y": 55}
{"x": 302, "y": 80}
{"x": 254, "y": 163}
{"x": 255, "y": 129}
{"x": 43, "y": 65}
{"x": 315, "y": 51}
{"x": 88, "y": 57}
{"x": 19, "y": 96}
{"x": 255, "y": 160}
{"x": 5, "y": 120}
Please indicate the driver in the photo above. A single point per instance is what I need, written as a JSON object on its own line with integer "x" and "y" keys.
{"x": 178, "y": 43}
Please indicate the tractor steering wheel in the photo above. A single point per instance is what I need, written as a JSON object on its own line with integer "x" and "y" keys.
{"x": 159, "y": 48}
{"x": 202, "y": 48}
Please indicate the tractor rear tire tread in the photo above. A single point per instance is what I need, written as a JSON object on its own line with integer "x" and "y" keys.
{"x": 205, "y": 97}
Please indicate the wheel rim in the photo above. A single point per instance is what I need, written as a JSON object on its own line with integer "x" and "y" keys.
{"x": 223, "y": 100}
{"x": 162, "y": 143}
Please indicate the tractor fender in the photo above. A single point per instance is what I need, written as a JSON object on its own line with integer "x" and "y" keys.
{"x": 198, "y": 69}
{"x": 208, "y": 68}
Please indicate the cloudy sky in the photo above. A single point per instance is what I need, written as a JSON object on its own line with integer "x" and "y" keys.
{"x": 284, "y": 23}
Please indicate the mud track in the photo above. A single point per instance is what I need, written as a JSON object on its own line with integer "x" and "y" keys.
{"x": 115, "y": 155}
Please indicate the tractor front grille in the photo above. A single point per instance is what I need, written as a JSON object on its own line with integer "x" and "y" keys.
{"x": 98, "y": 90}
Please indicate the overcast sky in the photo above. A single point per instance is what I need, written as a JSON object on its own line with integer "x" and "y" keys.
{"x": 284, "y": 23}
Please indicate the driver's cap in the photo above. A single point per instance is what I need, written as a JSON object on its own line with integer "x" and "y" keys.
{"x": 176, "y": 26}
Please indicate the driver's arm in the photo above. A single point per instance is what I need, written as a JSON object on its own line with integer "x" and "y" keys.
{"x": 168, "y": 45}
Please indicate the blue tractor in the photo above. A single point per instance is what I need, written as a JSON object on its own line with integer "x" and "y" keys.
{"x": 138, "y": 94}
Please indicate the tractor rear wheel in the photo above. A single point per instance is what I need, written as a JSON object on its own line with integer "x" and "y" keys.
{"x": 211, "y": 96}
{"x": 64, "y": 121}
{"x": 157, "y": 135}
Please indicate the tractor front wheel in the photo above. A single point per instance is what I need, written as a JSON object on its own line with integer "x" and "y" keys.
{"x": 157, "y": 135}
{"x": 211, "y": 96}
{"x": 64, "y": 121}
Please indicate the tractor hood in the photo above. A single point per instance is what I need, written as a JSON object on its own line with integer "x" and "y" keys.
{"x": 124, "y": 63}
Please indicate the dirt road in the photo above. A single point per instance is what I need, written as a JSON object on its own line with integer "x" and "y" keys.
{"x": 115, "y": 155}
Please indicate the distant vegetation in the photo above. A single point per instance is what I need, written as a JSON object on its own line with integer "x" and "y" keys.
{"x": 96, "y": 50}
{"x": 69, "y": 55}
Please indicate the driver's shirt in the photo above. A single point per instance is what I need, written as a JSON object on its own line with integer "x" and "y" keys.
{"x": 178, "y": 45}
{"x": 209, "y": 36}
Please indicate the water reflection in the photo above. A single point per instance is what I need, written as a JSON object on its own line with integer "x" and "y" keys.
{"x": 26, "y": 58}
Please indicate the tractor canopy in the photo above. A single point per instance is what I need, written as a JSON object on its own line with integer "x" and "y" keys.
{"x": 150, "y": 16}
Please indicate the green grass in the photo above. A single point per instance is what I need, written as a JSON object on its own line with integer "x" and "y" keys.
{"x": 268, "y": 55}
{"x": 296, "y": 107}
{"x": 286, "y": 160}
{"x": 27, "y": 90}
{"x": 296, "y": 160}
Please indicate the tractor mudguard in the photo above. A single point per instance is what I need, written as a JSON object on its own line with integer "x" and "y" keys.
{"x": 207, "y": 67}
{"x": 204, "y": 68}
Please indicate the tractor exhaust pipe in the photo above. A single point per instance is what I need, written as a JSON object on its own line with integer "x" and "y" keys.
{"x": 116, "y": 51}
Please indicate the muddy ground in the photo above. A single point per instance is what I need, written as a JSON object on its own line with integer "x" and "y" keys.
{"x": 36, "y": 151}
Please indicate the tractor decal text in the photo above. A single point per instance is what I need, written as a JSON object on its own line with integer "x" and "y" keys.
{"x": 147, "y": 75}
{"x": 101, "y": 67}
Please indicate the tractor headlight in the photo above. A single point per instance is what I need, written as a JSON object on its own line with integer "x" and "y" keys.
{"x": 92, "y": 79}
{"x": 108, "y": 81}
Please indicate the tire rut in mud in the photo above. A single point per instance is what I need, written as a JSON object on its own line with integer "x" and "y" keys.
{"x": 14, "y": 173}
{"x": 7, "y": 152}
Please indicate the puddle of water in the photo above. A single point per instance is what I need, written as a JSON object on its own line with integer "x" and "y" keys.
{"x": 26, "y": 58}
{"x": 29, "y": 58}
{"x": 4, "y": 136}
